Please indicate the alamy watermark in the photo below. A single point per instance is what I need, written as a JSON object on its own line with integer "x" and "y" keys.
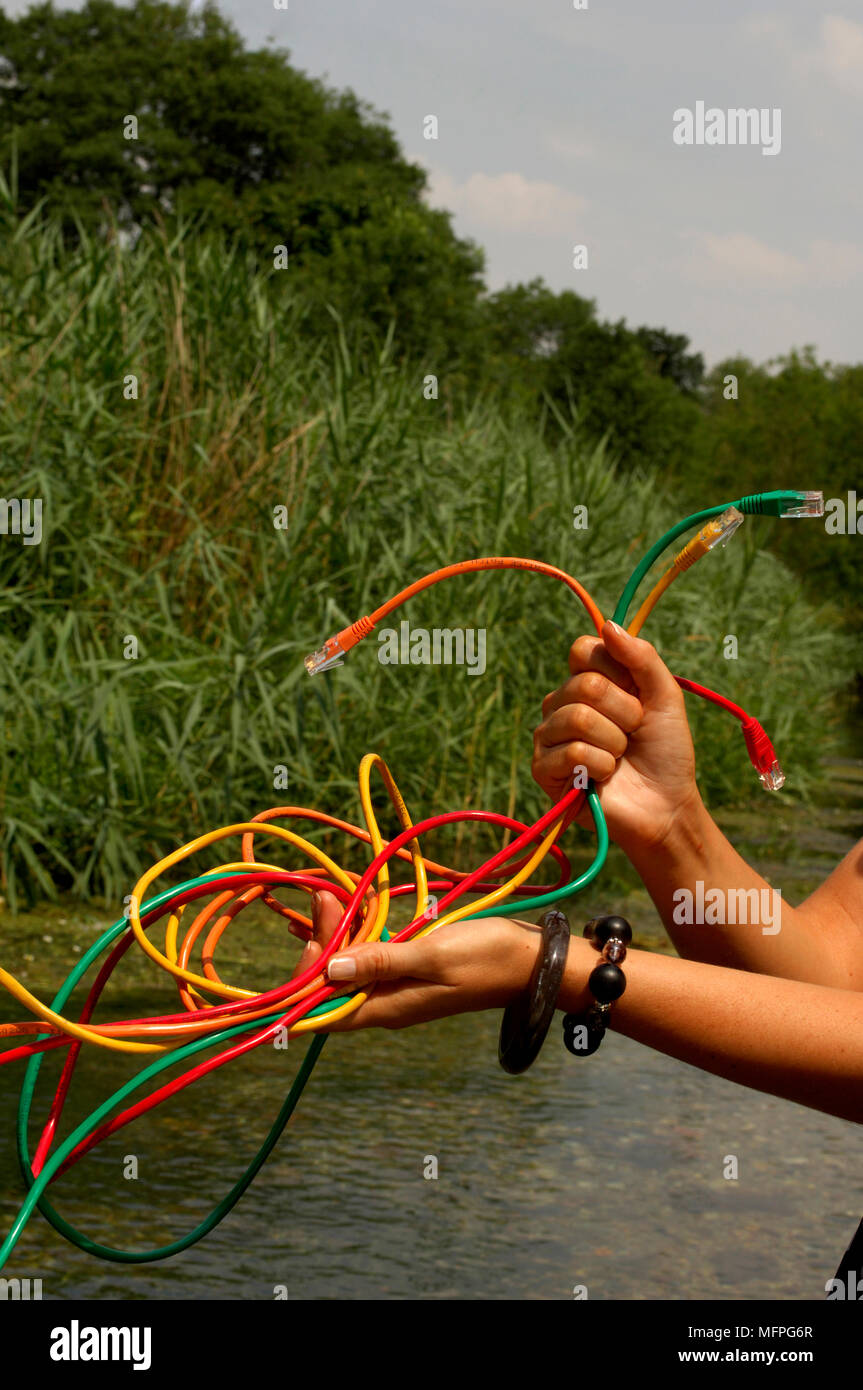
{"x": 739, "y": 125}
{"x": 441, "y": 647}
{"x": 19, "y": 516}
{"x": 843, "y": 517}
{"x": 77, "y": 1343}
{"x": 20, "y": 1290}
{"x": 719, "y": 907}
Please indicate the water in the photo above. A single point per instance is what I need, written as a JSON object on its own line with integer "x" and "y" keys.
{"x": 606, "y": 1173}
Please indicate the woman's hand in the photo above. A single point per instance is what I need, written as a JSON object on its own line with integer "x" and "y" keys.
{"x": 621, "y": 716}
{"x": 456, "y": 969}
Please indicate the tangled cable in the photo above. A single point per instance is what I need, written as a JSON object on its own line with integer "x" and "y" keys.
{"x": 233, "y": 1021}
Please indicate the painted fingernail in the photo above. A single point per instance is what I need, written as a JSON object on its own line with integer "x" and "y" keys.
{"x": 342, "y": 968}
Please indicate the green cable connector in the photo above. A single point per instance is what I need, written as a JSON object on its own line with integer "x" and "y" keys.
{"x": 782, "y": 502}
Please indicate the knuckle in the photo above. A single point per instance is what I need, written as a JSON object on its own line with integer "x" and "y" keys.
{"x": 580, "y": 652}
{"x": 577, "y": 752}
{"x": 582, "y": 718}
{"x": 593, "y": 685}
{"x": 606, "y": 763}
{"x": 638, "y": 715}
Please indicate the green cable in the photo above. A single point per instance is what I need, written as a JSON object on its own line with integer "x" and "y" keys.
{"x": 697, "y": 518}
{"x": 106, "y": 1252}
{"x": 780, "y": 502}
{"x": 37, "y": 1185}
{"x": 576, "y": 884}
{"x": 776, "y": 503}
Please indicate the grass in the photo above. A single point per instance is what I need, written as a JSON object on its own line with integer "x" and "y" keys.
{"x": 158, "y": 517}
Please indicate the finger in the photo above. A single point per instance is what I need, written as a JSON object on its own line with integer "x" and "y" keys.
{"x": 590, "y": 653}
{"x": 554, "y": 767}
{"x": 652, "y": 677}
{"x": 326, "y": 915}
{"x": 582, "y": 724}
{"x": 381, "y": 960}
{"x": 595, "y": 689}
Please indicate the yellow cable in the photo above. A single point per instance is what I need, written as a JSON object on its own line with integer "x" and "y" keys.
{"x": 704, "y": 540}
{"x": 168, "y": 960}
{"x": 202, "y": 842}
{"x": 75, "y": 1030}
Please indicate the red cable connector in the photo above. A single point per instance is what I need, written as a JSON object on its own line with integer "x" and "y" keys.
{"x": 761, "y": 752}
{"x": 762, "y": 755}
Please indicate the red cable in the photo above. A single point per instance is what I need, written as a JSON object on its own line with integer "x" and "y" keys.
{"x": 569, "y": 806}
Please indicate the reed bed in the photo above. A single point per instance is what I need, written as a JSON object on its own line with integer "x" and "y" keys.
{"x": 158, "y": 525}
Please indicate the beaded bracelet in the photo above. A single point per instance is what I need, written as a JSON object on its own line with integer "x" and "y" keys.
{"x": 583, "y": 1032}
{"x": 527, "y": 1019}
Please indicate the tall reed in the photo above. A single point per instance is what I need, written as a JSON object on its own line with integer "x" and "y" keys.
{"x": 158, "y": 525}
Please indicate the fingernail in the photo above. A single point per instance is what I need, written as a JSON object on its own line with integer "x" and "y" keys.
{"x": 615, "y": 627}
{"x": 342, "y": 968}
{"x": 316, "y": 904}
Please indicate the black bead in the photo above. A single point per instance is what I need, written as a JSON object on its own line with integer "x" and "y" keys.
{"x": 594, "y": 1035}
{"x": 607, "y": 982}
{"x": 617, "y": 927}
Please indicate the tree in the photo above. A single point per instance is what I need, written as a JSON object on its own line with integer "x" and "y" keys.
{"x": 147, "y": 111}
{"x": 669, "y": 352}
{"x": 552, "y": 345}
{"x": 796, "y": 422}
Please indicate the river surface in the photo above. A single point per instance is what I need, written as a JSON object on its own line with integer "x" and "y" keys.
{"x": 606, "y": 1173}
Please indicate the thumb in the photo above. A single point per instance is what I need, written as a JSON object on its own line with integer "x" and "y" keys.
{"x": 656, "y": 685}
{"x": 374, "y": 960}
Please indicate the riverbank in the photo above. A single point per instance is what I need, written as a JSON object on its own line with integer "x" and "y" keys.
{"x": 609, "y": 1174}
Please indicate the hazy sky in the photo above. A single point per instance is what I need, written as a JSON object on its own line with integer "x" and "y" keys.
{"x": 556, "y": 126}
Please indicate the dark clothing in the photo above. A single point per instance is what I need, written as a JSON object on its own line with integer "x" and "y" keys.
{"x": 852, "y": 1260}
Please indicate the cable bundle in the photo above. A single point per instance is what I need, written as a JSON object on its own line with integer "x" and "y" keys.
{"x": 230, "y": 1021}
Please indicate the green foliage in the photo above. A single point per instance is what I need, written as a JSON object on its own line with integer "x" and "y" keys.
{"x": 158, "y": 524}
{"x": 633, "y": 388}
{"x": 235, "y": 139}
{"x": 799, "y": 423}
{"x": 152, "y": 259}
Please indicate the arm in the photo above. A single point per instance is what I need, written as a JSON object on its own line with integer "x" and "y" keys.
{"x": 800, "y": 1037}
{"x": 621, "y": 715}
{"x": 803, "y": 1042}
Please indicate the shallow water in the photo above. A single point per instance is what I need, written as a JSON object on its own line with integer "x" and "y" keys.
{"x": 606, "y": 1173}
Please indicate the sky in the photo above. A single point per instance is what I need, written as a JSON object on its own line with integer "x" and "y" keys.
{"x": 556, "y": 129}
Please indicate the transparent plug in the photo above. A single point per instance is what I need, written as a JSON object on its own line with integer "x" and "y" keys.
{"x": 330, "y": 654}
{"x": 773, "y": 778}
{"x": 335, "y": 649}
{"x": 808, "y": 504}
{"x": 720, "y": 530}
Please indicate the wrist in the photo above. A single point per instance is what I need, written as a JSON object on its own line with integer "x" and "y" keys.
{"x": 681, "y": 830}
{"x": 517, "y": 946}
{"x": 574, "y": 996}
